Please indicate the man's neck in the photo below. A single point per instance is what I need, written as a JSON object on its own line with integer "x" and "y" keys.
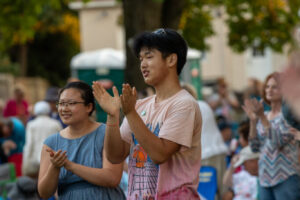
{"x": 167, "y": 89}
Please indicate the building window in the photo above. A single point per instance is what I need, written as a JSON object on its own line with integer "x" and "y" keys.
{"x": 257, "y": 52}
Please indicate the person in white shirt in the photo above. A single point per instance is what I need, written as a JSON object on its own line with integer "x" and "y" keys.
{"x": 214, "y": 149}
{"x": 244, "y": 184}
{"x": 37, "y": 131}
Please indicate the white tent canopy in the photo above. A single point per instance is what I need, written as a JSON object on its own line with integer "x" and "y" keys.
{"x": 102, "y": 58}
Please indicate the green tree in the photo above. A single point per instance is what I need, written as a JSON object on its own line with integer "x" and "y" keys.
{"x": 17, "y": 24}
{"x": 196, "y": 22}
{"x": 42, "y": 34}
{"x": 261, "y": 24}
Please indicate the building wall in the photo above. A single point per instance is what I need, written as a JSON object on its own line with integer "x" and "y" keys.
{"x": 99, "y": 28}
{"x": 221, "y": 61}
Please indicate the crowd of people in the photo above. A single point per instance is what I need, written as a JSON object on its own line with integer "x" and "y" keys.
{"x": 159, "y": 138}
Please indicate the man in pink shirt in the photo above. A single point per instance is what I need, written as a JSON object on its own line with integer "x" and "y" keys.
{"x": 161, "y": 133}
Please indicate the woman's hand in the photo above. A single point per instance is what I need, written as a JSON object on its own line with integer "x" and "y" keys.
{"x": 296, "y": 133}
{"x": 7, "y": 146}
{"x": 257, "y": 107}
{"x": 248, "y": 108}
{"x": 58, "y": 159}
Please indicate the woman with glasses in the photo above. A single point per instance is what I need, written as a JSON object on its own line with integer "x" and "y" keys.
{"x": 73, "y": 161}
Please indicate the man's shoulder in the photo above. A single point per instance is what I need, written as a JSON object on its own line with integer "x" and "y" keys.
{"x": 185, "y": 99}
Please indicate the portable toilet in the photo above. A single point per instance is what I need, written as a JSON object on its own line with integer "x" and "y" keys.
{"x": 104, "y": 65}
{"x": 191, "y": 73}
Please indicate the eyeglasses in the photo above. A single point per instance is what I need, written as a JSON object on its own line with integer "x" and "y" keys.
{"x": 67, "y": 104}
{"x": 160, "y": 31}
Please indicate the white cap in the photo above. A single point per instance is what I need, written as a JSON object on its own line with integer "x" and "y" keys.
{"x": 246, "y": 154}
{"x": 41, "y": 108}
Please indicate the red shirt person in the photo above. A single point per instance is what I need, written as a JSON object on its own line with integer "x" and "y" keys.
{"x": 17, "y": 107}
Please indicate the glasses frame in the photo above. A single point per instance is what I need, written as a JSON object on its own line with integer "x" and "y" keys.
{"x": 67, "y": 104}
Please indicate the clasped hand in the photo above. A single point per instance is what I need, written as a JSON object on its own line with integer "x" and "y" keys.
{"x": 58, "y": 159}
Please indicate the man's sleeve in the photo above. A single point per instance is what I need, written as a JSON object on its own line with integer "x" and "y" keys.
{"x": 179, "y": 125}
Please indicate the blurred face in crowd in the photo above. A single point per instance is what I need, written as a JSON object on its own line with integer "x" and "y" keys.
{"x": 72, "y": 108}
{"x": 272, "y": 91}
{"x": 226, "y": 134}
{"x": 251, "y": 166}
{"x": 53, "y": 106}
{"x": 242, "y": 141}
{"x": 19, "y": 95}
{"x": 222, "y": 90}
{"x": 6, "y": 131}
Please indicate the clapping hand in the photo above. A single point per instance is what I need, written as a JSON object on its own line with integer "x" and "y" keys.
{"x": 58, "y": 159}
{"x": 111, "y": 105}
{"x": 257, "y": 107}
{"x": 290, "y": 87}
{"x": 296, "y": 133}
{"x": 128, "y": 98}
{"x": 253, "y": 109}
{"x": 248, "y": 108}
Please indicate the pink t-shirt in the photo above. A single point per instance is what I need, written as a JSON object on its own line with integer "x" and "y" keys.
{"x": 177, "y": 119}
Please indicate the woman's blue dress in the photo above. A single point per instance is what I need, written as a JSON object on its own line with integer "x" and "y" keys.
{"x": 86, "y": 150}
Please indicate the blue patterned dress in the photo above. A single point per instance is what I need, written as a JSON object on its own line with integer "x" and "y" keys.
{"x": 86, "y": 150}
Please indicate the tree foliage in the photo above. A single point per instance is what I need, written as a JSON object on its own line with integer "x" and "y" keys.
{"x": 254, "y": 23}
{"x": 48, "y": 30}
{"x": 19, "y": 18}
{"x": 196, "y": 22}
{"x": 261, "y": 24}
{"x": 49, "y": 56}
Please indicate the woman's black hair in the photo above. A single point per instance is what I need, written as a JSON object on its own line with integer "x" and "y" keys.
{"x": 85, "y": 90}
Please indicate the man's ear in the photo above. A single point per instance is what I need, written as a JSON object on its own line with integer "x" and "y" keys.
{"x": 172, "y": 60}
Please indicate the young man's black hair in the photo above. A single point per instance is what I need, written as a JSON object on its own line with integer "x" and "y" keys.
{"x": 167, "y": 41}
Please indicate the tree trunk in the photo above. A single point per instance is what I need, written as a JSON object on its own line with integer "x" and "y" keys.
{"x": 139, "y": 15}
{"x": 23, "y": 60}
{"x": 146, "y": 15}
{"x": 171, "y": 13}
